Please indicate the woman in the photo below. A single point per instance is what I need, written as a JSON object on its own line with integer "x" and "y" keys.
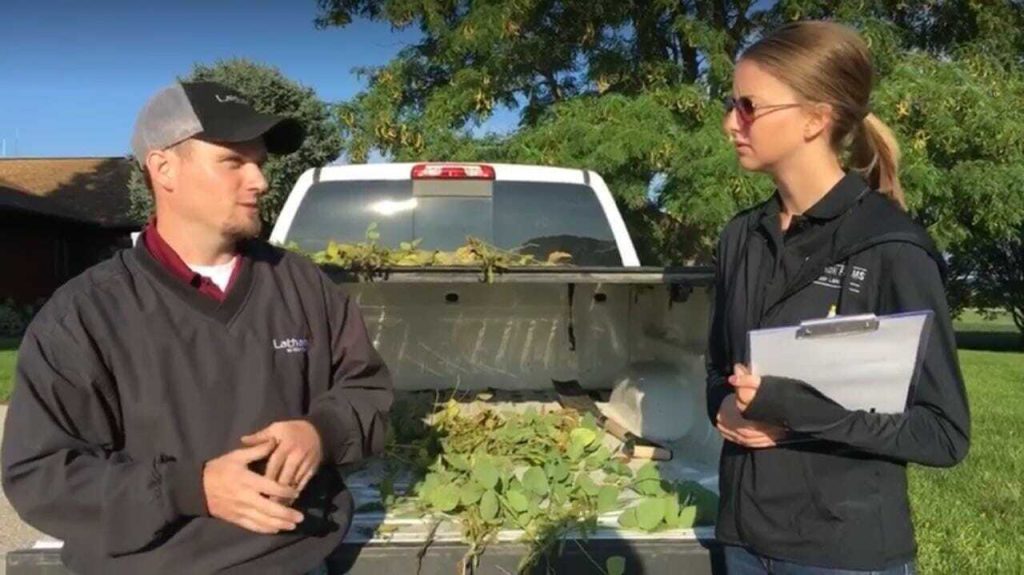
{"x": 807, "y": 486}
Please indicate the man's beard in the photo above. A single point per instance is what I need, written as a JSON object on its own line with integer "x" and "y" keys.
{"x": 243, "y": 230}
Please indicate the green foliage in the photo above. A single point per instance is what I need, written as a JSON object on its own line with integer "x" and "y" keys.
{"x": 369, "y": 259}
{"x": 630, "y": 89}
{"x": 991, "y": 271}
{"x": 14, "y": 317}
{"x": 492, "y": 470}
{"x": 269, "y": 91}
{"x": 667, "y": 505}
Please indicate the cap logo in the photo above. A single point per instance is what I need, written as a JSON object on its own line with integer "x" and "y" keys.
{"x": 224, "y": 99}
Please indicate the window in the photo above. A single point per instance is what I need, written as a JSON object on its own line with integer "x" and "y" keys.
{"x": 542, "y": 217}
{"x": 342, "y": 211}
{"x": 536, "y": 218}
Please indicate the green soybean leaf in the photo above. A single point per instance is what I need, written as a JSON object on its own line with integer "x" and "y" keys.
{"x": 526, "y": 518}
{"x": 557, "y": 471}
{"x": 671, "y": 505}
{"x": 583, "y": 436}
{"x": 575, "y": 451}
{"x": 615, "y": 467}
{"x": 489, "y": 506}
{"x": 688, "y": 517}
{"x": 535, "y": 481}
{"x": 648, "y": 471}
{"x": 446, "y": 497}
{"x": 561, "y": 492}
{"x": 485, "y": 473}
{"x": 649, "y": 487}
{"x": 599, "y": 457}
{"x": 628, "y": 519}
{"x": 457, "y": 461}
{"x": 607, "y": 498}
{"x": 471, "y": 493}
{"x": 650, "y": 513}
{"x": 586, "y": 484}
{"x": 517, "y": 501}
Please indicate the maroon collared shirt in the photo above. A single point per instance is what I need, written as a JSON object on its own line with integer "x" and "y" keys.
{"x": 165, "y": 254}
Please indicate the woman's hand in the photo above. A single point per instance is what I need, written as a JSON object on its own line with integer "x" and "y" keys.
{"x": 746, "y": 385}
{"x": 752, "y": 434}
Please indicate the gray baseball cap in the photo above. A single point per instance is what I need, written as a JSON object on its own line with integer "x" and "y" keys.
{"x": 211, "y": 112}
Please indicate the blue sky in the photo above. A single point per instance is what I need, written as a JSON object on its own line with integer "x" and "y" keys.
{"x": 74, "y": 73}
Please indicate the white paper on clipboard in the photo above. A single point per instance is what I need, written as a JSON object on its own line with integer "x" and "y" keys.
{"x": 861, "y": 362}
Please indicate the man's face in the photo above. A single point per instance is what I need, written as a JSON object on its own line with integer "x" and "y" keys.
{"x": 218, "y": 185}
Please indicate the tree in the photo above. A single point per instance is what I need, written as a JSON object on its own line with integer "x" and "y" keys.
{"x": 992, "y": 273}
{"x": 631, "y": 90}
{"x": 269, "y": 91}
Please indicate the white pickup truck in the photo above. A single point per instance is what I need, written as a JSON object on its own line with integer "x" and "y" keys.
{"x": 623, "y": 331}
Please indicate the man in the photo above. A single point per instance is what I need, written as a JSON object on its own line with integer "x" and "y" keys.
{"x": 183, "y": 406}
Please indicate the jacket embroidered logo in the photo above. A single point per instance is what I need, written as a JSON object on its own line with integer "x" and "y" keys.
{"x": 833, "y": 276}
{"x": 292, "y": 345}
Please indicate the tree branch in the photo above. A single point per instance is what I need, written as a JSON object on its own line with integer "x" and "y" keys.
{"x": 553, "y": 87}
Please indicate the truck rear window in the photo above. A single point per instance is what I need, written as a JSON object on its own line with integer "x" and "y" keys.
{"x": 531, "y": 217}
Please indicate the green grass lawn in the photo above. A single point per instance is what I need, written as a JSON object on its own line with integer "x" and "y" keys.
{"x": 972, "y": 321}
{"x": 999, "y": 334}
{"x": 8, "y": 349}
{"x": 970, "y": 519}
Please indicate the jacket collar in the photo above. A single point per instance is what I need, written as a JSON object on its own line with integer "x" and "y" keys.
{"x": 833, "y": 204}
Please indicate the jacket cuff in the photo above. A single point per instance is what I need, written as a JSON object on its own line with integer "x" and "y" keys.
{"x": 185, "y": 487}
{"x": 329, "y": 427}
{"x": 770, "y": 402}
{"x": 793, "y": 404}
{"x": 716, "y": 395}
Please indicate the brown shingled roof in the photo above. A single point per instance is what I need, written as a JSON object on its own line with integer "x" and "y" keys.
{"x": 92, "y": 190}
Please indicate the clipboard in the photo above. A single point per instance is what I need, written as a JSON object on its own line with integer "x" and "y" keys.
{"x": 862, "y": 362}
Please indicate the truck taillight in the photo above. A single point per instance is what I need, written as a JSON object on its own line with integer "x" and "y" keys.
{"x": 452, "y": 172}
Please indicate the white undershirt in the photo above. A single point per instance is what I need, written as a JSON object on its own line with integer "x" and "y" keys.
{"x": 219, "y": 274}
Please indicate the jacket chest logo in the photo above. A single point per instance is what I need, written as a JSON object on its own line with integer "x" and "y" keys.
{"x": 858, "y": 276}
{"x": 832, "y": 277}
{"x": 292, "y": 345}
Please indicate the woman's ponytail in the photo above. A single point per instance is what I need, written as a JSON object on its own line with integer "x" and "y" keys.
{"x": 876, "y": 155}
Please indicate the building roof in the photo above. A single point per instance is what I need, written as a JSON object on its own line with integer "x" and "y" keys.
{"x": 16, "y": 200}
{"x": 89, "y": 190}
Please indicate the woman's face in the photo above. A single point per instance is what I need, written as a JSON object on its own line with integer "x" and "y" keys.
{"x": 767, "y": 121}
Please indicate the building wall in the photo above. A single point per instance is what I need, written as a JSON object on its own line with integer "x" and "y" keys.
{"x": 39, "y": 254}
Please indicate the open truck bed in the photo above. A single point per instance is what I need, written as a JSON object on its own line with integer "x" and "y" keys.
{"x": 442, "y": 329}
{"x": 406, "y": 532}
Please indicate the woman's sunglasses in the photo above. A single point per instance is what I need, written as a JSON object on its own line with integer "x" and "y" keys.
{"x": 747, "y": 111}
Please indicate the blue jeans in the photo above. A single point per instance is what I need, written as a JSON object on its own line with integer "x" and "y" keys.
{"x": 741, "y": 561}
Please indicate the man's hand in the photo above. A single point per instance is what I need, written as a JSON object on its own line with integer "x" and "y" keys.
{"x": 298, "y": 453}
{"x": 752, "y": 434}
{"x": 746, "y": 385}
{"x": 237, "y": 495}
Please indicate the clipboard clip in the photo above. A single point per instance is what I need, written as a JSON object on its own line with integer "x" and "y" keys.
{"x": 837, "y": 326}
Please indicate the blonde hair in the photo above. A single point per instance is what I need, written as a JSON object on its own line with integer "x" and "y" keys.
{"x": 829, "y": 63}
